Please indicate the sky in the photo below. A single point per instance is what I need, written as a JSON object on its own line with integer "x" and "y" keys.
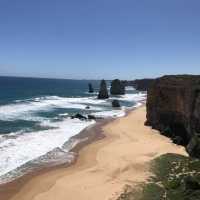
{"x": 94, "y": 39}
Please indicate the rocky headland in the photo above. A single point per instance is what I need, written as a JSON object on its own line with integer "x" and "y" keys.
{"x": 173, "y": 108}
{"x": 142, "y": 84}
{"x": 139, "y": 84}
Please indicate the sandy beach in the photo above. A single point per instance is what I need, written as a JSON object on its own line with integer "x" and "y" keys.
{"x": 104, "y": 167}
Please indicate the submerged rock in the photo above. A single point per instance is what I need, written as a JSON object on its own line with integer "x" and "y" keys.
{"x": 117, "y": 87}
{"x": 87, "y": 107}
{"x": 91, "y": 90}
{"x": 79, "y": 116}
{"x": 115, "y": 104}
{"x": 103, "y": 92}
{"x": 91, "y": 117}
{"x": 173, "y": 104}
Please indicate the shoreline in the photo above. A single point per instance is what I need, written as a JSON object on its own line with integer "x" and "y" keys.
{"x": 86, "y": 136}
{"x": 101, "y": 138}
{"x": 92, "y": 133}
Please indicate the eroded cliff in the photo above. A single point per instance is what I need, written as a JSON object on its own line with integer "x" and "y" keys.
{"x": 173, "y": 108}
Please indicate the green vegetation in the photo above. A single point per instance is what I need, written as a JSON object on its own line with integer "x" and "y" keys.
{"x": 175, "y": 177}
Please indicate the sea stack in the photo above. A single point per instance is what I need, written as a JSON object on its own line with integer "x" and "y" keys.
{"x": 103, "y": 92}
{"x": 173, "y": 108}
{"x": 117, "y": 87}
{"x": 91, "y": 90}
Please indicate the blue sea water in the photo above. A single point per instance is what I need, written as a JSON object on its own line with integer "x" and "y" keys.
{"x": 35, "y": 118}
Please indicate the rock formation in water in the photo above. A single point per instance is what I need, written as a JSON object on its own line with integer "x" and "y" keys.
{"x": 91, "y": 117}
{"x": 103, "y": 92}
{"x": 87, "y": 107}
{"x": 78, "y": 116}
{"x": 173, "y": 108}
{"x": 115, "y": 103}
{"x": 117, "y": 87}
{"x": 91, "y": 90}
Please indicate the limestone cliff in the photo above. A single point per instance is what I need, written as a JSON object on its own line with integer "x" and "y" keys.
{"x": 173, "y": 107}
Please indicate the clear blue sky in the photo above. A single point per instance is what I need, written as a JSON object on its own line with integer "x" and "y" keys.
{"x": 99, "y": 38}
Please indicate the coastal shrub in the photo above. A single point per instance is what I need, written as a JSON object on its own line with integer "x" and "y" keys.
{"x": 152, "y": 191}
{"x": 175, "y": 177}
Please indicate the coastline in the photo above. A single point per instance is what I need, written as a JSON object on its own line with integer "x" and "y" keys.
{"x": 87, "y": 159}
{"x": 86, "y": 136}
{"x": 92, "y": 133}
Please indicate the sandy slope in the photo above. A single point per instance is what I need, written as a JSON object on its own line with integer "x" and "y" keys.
{"x": 105, "y": 166}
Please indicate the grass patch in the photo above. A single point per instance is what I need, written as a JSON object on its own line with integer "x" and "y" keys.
{"x": 175, "y": 177}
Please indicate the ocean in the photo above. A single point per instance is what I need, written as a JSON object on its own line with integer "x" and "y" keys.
{"x": 35, "y": 120}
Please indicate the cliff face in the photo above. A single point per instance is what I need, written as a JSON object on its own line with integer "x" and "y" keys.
{"x": 173, "y": 107}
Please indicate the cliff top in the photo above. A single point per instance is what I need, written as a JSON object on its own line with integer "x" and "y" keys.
{"x": 179, "y": 80}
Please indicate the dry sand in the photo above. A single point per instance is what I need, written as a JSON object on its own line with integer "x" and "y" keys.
{"x": 104, "y": 167}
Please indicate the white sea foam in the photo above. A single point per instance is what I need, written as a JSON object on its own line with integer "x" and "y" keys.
{"x": 129, "y": 88}
{"x": 110, "y": 113}
{"x": 63, "y": 114}
{"x": 18, "y": 150}
{"x": 26, "y": 109}
{"x": 115, "y": 112}
{"x": 133, "y": 97}
{"x": 94, "y": 93}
